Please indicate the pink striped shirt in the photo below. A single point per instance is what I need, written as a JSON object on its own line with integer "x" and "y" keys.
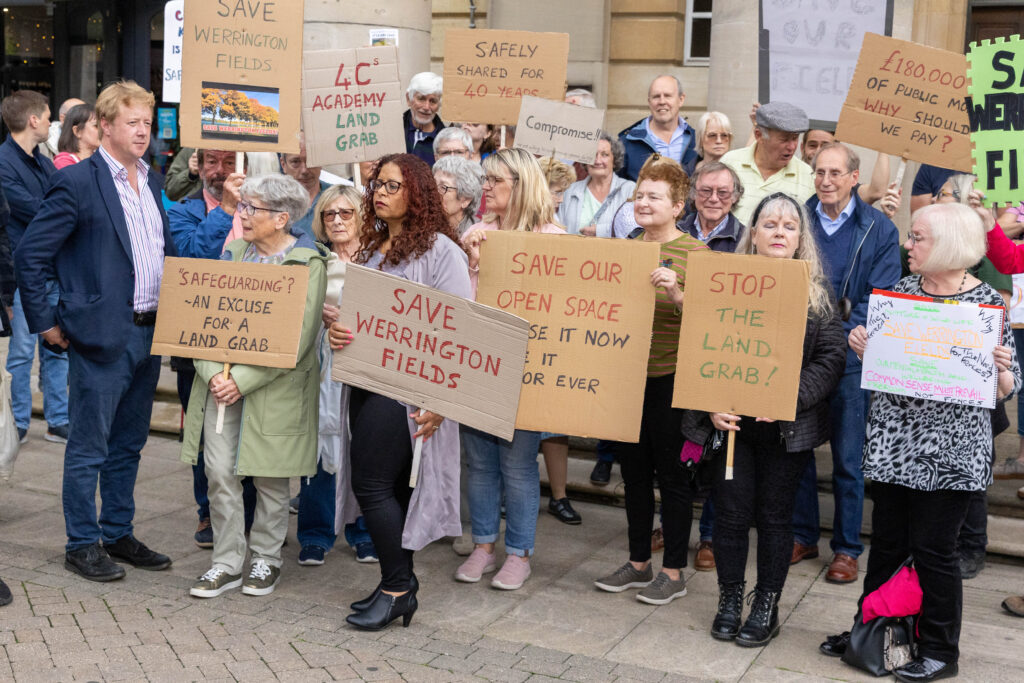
{"x": 145, "y": 230}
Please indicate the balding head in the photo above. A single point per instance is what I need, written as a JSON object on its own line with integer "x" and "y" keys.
{"x": 66, "y": 107}
{"x": 665, "y": 98}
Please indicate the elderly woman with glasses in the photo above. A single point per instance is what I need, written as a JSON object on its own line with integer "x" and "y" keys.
{"x": 404, "y": 233}
{"x": 589, "y": 205}
{"x": 452, "y": 142}
{"x": 277, "y": 438}
{"x": 714, "y": 136}
{"x": 459, "y": 181}
{"x": 517, "y": 199}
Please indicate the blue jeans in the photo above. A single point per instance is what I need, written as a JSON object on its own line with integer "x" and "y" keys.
{"x": 316, "y": 510}
{"x": 707, "y": 520}
{"x": 606, "y": 450}
{"x": 849, "y": 407}
{"x": 494, "y": 466}
{"x": 53, "y": 369}
{"x": 111, "y": 404}
{"x": 356, "y": 533}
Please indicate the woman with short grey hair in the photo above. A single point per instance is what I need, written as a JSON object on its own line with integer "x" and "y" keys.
{"x": 460, "y": 182}
{"x": 589, "y": 205}
{"x": 452, "y": 141}
{"x": 276, "y": 194}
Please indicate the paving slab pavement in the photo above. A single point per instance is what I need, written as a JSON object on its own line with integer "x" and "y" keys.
{"x": 557, "y": 627}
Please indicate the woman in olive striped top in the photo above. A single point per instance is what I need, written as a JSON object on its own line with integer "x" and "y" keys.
{"x": 660, "y": 196}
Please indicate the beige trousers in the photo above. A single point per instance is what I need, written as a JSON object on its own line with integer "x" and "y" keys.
{"x": 227, "y": 516}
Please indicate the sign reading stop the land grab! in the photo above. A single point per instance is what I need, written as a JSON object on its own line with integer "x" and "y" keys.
{"x": 351, "y": 105}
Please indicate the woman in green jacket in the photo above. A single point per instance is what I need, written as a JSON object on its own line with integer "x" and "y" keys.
{"x": 270, "y": 417}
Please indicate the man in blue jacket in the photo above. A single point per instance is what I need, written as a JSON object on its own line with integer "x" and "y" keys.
{"x": 860, "y": 252}
{"x": 664, "y": 131}
{"x": 25, "y": 173}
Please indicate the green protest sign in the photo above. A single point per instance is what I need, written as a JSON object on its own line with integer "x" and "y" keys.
{"x": 995, "y": 109}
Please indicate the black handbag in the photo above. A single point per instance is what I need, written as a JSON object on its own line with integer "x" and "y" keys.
{"x": 883, "y": 644}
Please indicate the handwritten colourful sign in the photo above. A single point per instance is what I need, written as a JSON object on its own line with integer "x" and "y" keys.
{"x": 921, "y": 348}
{"x": 432, "y": 350}
{"x": 996, "y": 88}
{"x": 591, "y": 306}
{"x": 741, "y": 341}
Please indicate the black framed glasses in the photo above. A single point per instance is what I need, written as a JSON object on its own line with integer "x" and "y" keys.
{"x": 250, "y": 210}
{"x": 444, "y": 189}
{"x": 330, "y": 214}
{"x": 390, "y": 186}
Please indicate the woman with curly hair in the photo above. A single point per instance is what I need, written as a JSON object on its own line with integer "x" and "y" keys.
{"x": 518, "y": 198}
{"x": 405, "y": 233}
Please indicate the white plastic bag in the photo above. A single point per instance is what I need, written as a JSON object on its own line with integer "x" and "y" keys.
{"x": 9, "y": 442}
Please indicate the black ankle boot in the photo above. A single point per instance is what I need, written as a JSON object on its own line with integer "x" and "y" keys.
{"x": 383, "y": 610}
{"x": 730, "y": 611}
{"x": 360, "y": 605}
{"x": 763, "y": 622}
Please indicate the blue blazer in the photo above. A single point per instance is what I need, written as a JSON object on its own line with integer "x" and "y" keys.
{"x": 80, "y": 238}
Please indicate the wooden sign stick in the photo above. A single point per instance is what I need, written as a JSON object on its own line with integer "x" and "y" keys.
{"x": 900, "y": 170}
{"x": 221, "y": 406}
{"x": 239, "y": 162}
{"x": 417, "y": 453}
{"x": 357, "y": 175}
{"x": 501, "y": 145}
{"x": 730, "y": 450}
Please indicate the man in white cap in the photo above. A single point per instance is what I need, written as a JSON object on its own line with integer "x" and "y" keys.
{"x": 771, "y": 164}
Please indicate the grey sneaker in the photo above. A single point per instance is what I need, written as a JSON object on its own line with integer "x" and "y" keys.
{"x": 625, "y": 577}
{"x": 662, "y": 590}
{"x": 214, "y": 582}
{"x": 1012, "y": 468}
{"x": 262, "y": 579}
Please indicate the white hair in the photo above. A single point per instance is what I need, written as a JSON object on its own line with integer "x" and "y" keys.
{"x": 425, "y": 83}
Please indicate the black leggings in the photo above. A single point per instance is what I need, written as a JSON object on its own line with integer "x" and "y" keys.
{"x": 381, "y": 455}
{"x": 762, "y": 491}
{"x": 657, "y": 452}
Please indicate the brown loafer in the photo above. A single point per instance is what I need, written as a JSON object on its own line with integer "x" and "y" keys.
{"x": 1014, "y": 605}
{"x": 803, "y": 552}
{"x": 657, "y": 540}
{"x": 842, "y": 570}
{"x": 705, "y": 560}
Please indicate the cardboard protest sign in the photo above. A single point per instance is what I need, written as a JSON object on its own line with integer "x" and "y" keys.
{"x": 486, "y": 72}
{"x": 591, "y": 306}
{"x": 907, "y": 99}
{"x": 231, "y": 312}
{"x": 995, "y": 109}
{"x": 432, "y": 350}
{"x": 241, "y": 76}
{"x": 551, "y": 128}
{"x": 174, "y": 30}
{"x": 351, "y": 105}
{"x": 921, "y": 348}
{"x": 741, "y": 341}
{"x": 808, "y": 52}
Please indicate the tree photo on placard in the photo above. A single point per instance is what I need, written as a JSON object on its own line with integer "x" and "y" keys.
{"x": 228, "y": 112}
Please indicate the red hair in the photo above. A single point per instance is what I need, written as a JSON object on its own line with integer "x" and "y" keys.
{"x": 424, "y": 217}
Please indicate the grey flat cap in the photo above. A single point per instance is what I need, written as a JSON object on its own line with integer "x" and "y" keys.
{"x": 782, "y": 116}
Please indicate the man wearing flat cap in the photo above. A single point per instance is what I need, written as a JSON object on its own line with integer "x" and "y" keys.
{"x": 771, "y": 164}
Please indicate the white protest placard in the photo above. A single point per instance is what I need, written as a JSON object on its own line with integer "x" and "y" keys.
{"x": 174, "y": 28}
{"x": 432, "y": 350}
{"x": 1017, "y": 302}
{"x": 920, "y": 347}
{"x": 811, "y": 51}
{"x": 556, "y": 128}
{"x": 351, "y": 105}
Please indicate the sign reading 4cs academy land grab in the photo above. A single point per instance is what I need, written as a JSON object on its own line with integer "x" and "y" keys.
{"x": 487, "y": 72}
{"x": 241, "y": 75}
{"x": 590, "y": 304}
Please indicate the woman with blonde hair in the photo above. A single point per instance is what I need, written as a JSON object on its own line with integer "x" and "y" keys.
{"x": 518, "y": 198}
{"x": 714, "y": 136}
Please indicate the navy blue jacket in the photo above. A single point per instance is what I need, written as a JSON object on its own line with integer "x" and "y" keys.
{"x": 424, "y": 149}
{"x": 80, "y": 237}
{"x": 725, "y": 241}
{"x": 198, "y": 234}
{"x": 639, "y": 148}
{"x": 874, "y": 262}
{"x": 25, "y": 181}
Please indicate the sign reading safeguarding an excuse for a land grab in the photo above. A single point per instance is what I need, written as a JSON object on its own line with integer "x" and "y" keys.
{"x": 925, "y": 348}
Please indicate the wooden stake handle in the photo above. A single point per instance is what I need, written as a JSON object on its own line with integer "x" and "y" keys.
{"x": 730, "y": 450}
{"x": 221, "y": 406}
{"x": 417, "y": 453}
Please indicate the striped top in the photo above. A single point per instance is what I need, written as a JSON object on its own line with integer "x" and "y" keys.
{"x": 145, "y": 231}
{"x": 665, "y": 331}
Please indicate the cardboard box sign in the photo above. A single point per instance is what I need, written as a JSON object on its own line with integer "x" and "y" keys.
{"x": 921, "y": 347}
{"x": 352, "y": 105}
{"x": 432, "y": 350}
{"x": 994, "y": 106}
{"x": 907, "y": 99}
{"x": 241, "y": 76}
{"x": 591, "y": 307}
{"x": 741, "y": 342}
{"x": 228, "y": 312}
{"x": 551, "y": 128}
{"x": 487, "y": 72}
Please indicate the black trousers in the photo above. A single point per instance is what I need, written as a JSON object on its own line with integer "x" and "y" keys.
{"x": 381, "y": 455}
{"x": 923, "y": 524}
{"x": 657, "y": 452}
{"x": 762, "y": 492}
{"x": 974, "y": 533}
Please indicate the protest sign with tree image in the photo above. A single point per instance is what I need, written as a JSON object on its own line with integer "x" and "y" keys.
{"x": 232, "y": 113}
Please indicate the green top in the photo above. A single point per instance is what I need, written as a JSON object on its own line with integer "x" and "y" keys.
{"x": 665, "y": 330}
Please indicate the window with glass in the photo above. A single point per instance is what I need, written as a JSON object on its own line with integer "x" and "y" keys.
{"x": 697, "y": 43}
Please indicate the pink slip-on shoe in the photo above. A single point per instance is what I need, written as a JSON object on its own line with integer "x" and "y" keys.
{"x": 513, "y": 574}
{"x": 478, "y": 563}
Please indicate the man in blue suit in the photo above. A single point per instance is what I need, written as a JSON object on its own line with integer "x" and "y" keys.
{"x": 102, "y": 234}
